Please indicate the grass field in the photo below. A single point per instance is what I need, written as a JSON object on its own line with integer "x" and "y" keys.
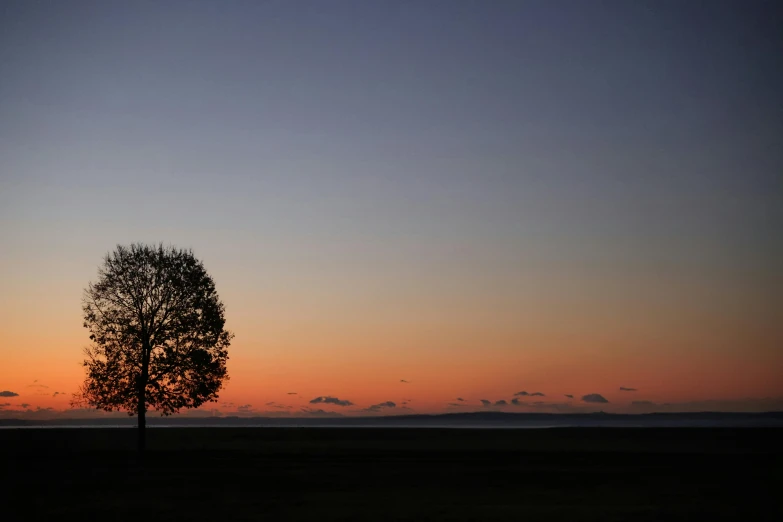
{"x": 227, "y": 474}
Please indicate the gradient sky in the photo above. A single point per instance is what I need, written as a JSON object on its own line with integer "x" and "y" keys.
{"x": 477, "y": 197}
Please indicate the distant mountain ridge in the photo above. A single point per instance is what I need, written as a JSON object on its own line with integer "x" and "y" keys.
{"x": 446, "y": 420}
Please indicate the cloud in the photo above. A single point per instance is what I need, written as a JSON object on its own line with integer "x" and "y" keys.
{"x": 521, "y": 394}
{"x": 331, "y": 400}
{"x": 55, "y": 394}
{"x": 623, "y": 388}
{"x": 537, "y": 394}
{"x": 594, "y": 397}
{"x": 569, "y": 395}
{"x": 501, "y": 402}
{"x": 4, "y": 404}
{"x": 379, "y": 407}
{"x": 553, "y": 407}
{"x": 28, "y": 413}
{"x": 460, "y": 399}
{"x": 454, "y": 404}
{"x": 36, "y": 386}
{"x": 406, "y": 382}
{"x": 404, "y": 403}
{"x": 277, "y": 405}
{"x": 292, "y": 393}
{"x": 485, "y": 403}
{"x": 560, "y": 407}
{"x": 245, "y": 408}
{"x": 320, "y": 413}
{"x": 6, "y": 393}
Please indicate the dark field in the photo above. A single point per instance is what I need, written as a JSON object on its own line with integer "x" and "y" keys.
{"x": 227, "y": 474}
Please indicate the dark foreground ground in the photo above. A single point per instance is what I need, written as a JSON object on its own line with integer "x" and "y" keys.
{"x": 224, "y": 474}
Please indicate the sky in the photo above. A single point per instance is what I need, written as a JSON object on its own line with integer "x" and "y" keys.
{"x": 408, "y": 202}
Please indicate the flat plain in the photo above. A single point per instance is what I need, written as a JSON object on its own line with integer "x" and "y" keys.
{"x": 227, "y": 474}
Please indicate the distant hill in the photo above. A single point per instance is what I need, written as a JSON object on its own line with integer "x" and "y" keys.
{"x": 488, "y": 419}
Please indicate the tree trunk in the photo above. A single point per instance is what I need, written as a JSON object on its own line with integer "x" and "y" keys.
{"x": 142, "y": 440}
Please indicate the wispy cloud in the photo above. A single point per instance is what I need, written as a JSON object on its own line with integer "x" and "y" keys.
{"x": 559, "y": 407}
{"x": 379, "y": 407}
{"x": 486, "y": 403}
{"x": 7, "y": 393}
{"x": 404, "y": 381}
{"x": 460, "y": 399}
{"x": 320, "y": 413}
{"x": 537, "y": 394}
{"x": 36, "y": 386}
{"x": 623, "y": 388}
{"x": 595, "y": 398}
{"x": 501, "y": 402}
{"x": 553, "y": 407}
{"x": 292, "y": 393}
{"x": 521, "y": 394}
{"x": 331, "y": 400}
{"x": 569, "y": 395}
{"x": 245, "y": 408}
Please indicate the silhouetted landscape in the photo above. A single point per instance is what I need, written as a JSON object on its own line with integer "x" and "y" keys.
{"x": 387, "y": 260}
{"x": 394, "y": 474}
{"x": 491, "y": 419}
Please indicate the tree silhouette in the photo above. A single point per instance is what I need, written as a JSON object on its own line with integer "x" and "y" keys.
{"x": 157, "y": 331}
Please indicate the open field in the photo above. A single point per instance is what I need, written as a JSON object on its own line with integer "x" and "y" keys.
{"x": 393, "y": 474}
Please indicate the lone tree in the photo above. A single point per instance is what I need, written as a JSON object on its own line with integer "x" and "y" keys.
{"x": 157, "y": 331}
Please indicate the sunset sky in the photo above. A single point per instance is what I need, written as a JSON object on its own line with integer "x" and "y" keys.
{"x": 478, "y": 198}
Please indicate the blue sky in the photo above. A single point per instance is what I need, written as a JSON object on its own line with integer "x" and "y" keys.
{"x": 510, "y": 156}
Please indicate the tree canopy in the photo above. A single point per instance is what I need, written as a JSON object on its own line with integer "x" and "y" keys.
{"x": 158, "y": 333}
